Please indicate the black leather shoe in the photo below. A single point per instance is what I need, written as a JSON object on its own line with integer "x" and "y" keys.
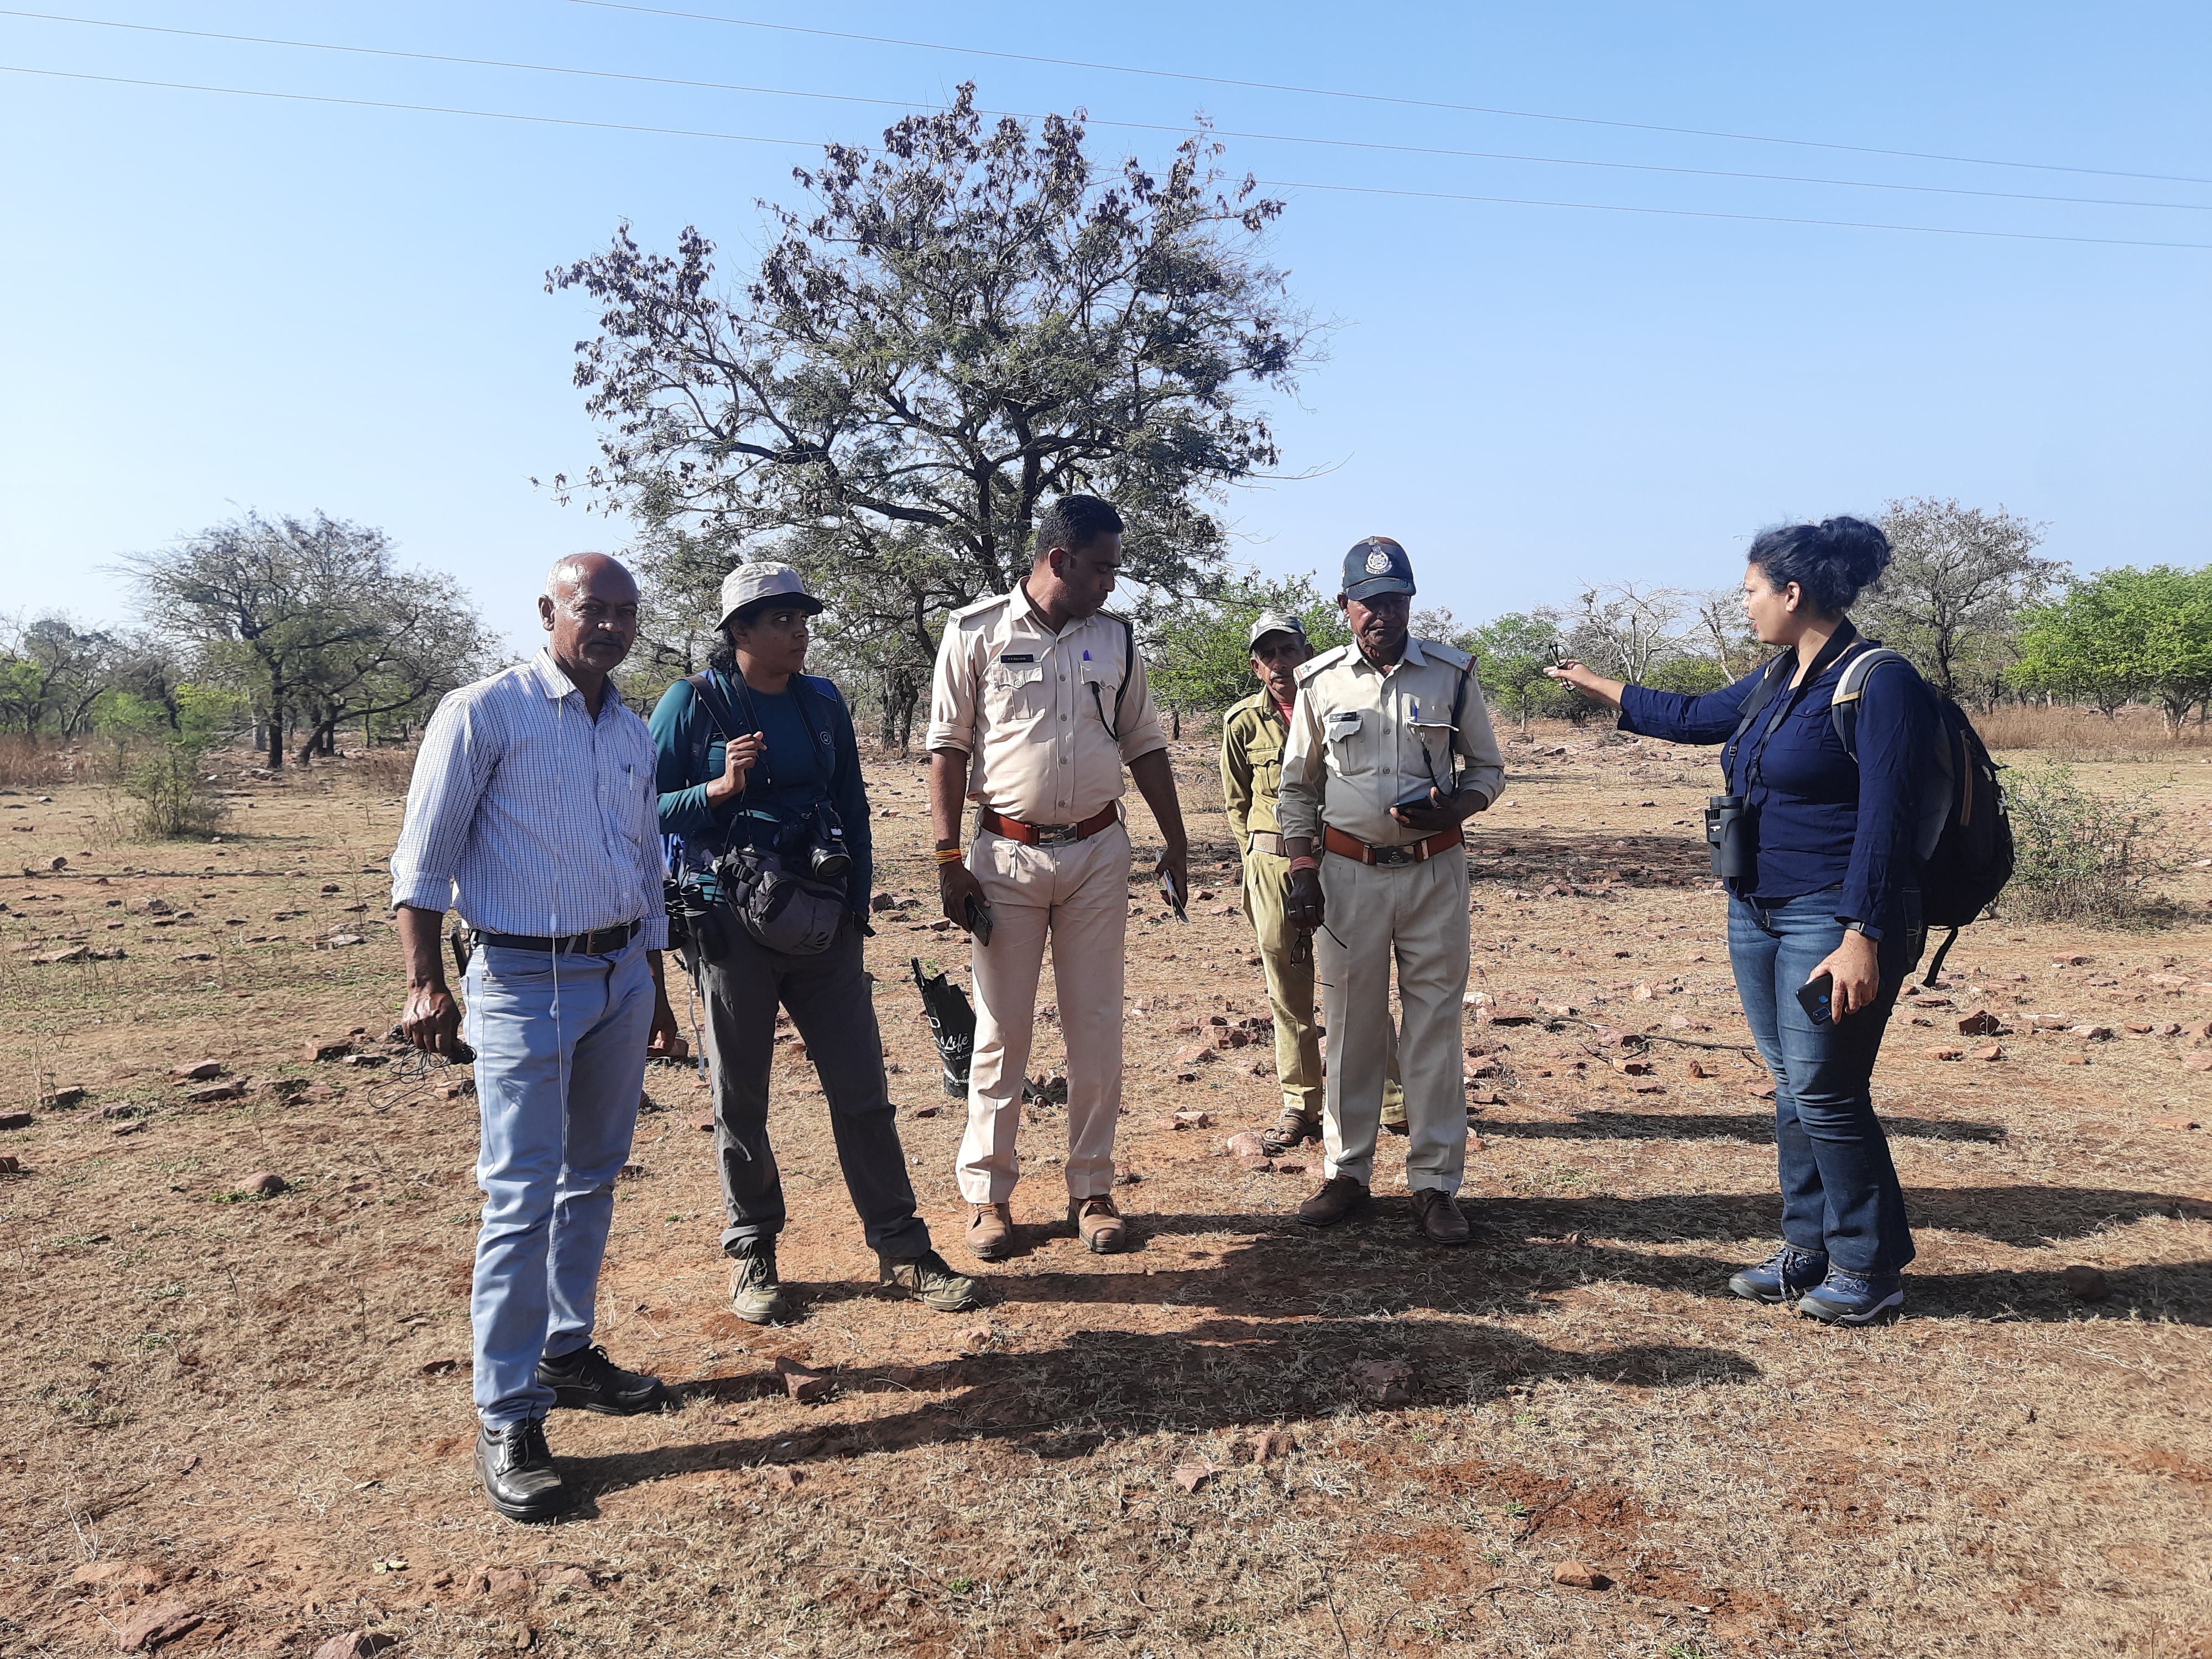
{"x": 588, "y": 1380}
{"x": 516, "y": 1466}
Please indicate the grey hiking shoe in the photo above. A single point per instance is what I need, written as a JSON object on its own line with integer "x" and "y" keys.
{"x": 755, "y": 1293}
{"x": 929, "y": 1280}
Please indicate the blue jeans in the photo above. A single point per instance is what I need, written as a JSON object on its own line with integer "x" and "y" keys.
{"x": 1839, "y": 1190}
{"x": 560, "y": 1047}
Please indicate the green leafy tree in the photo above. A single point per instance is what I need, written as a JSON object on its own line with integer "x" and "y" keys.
{"x": 965, "y": 324}
{"x": 311, "y": 620}
{"x": 2120, "y": 634}
{"x": 1512, "y": 653}
{"x": 1197, "y": 653}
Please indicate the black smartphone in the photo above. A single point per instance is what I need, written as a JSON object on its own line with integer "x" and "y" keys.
{"x": 1813, "y": 997}
{"x": 978, "y": 919}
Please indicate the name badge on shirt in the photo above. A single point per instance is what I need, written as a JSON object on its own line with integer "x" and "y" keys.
{"x": 1009, "y": 656}
{"x": 1342, "y": 725}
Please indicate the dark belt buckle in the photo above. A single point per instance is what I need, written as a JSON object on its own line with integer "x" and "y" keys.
{"x": 1394, "y": 858}
{"x": 1057, "y": 835}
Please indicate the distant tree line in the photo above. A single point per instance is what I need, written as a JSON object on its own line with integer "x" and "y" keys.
{"x": 280, "y": 631}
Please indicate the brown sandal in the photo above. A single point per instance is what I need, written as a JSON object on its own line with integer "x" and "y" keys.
{"x": 1287, "y": 1131}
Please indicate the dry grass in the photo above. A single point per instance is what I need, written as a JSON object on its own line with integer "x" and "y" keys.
{"x": 249, "y": 1407}
{"x": 28, "y": 762}
{"x": 2070, "y": 734}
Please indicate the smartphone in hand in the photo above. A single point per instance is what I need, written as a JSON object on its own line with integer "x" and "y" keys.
{"x": 978, "y": 919}
{"x": 1173, "y": 894}
{"x": 1815, "y": 996}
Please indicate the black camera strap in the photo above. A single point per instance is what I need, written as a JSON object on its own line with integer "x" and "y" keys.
{"x": 1777, "y": 676}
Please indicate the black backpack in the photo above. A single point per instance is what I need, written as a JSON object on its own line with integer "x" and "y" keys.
{"x": 1965, "y": 842}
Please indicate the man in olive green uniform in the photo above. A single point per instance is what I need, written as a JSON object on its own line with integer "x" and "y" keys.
{"x": 1252, "y": 738}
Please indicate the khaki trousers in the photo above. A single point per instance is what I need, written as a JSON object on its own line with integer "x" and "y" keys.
{"x": 1078, "y": 897}
{"x": 1416, "y": 916}
{"x": 1290, "y": 996}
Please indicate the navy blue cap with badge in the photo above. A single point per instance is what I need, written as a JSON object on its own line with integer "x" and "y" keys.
{"x": 1377, "y": 565}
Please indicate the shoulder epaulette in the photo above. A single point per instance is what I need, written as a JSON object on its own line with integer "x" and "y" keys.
{"x": 980, "y": 606}
{"x": 1314, "y": 665}
{"x": 1450, "y": 655}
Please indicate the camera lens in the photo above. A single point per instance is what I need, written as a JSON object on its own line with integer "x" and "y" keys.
{"x": 828, "y": 861}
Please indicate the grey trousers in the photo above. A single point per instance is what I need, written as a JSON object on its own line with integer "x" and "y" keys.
{"x": 828, "y": 997}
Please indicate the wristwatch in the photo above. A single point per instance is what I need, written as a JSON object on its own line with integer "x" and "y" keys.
{"x": 1874, "y": 934}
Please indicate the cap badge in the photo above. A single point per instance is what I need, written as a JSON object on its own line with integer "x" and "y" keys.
{"x": 1378, "y": 562}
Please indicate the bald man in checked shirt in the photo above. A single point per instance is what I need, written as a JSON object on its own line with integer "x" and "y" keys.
{"x": 535, "y": 813}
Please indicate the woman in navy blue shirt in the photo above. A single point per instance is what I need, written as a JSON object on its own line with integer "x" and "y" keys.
{"x": 1829, "y": 884}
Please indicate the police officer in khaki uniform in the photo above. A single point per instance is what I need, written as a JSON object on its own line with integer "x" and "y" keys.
{"x": 1038, "y": 701}
{"x": 1252, "y": 737}
{"x": 1373, "y": 798}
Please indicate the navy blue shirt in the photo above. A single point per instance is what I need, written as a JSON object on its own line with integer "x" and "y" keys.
{"x": 798, "y": 771}
{"x": 1822, "y": 820}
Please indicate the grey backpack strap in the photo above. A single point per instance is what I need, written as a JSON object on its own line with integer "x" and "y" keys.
{"x": 1843, "y": 715}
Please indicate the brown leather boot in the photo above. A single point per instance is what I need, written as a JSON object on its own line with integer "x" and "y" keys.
{"x": 1438, "y": 1215}
{"x": 1099, "y": 1224}
{"x": 990, "y": 1231}
{"x": 1339, "y": 1197}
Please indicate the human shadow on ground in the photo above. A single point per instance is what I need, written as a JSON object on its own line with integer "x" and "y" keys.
{"x": 1600, "y": 1123}
{"x": 1221, "y": 1372}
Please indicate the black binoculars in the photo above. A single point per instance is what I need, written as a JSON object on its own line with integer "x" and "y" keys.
{"x": 1727, "y": 831}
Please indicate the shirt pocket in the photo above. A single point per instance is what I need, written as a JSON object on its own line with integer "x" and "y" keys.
{"x": 1016, "y": 692}
{"x": 1348, "y": 735}
{"x": 1268, "y": 778}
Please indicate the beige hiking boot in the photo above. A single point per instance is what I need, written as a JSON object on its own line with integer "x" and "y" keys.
{"x": 990, "y": 1231}
{"x": 1098, "y": 1224}
{"x": 756, "y": 1293}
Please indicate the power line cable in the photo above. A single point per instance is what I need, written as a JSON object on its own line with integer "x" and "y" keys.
{"x": 1380, "y": 98}
{"x": 1139, "y": 126}
{"x": 1276, "y": 183}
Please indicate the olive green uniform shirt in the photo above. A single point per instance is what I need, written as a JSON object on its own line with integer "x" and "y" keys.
{"x": 1252, "y": 739}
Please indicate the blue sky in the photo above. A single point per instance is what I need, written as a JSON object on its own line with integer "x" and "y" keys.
{"x": 218, "y": 302}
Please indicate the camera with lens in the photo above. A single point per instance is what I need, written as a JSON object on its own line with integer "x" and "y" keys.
{"x": 814, "y": 840}
{"x": 1728, "y": 819}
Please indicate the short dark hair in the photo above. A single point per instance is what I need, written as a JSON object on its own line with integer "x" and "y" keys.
{"x": 1074, "y": 522}
{"x": 1830, "y": 562}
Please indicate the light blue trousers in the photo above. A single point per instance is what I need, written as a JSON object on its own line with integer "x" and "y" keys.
{"x": 560, "y": 1045}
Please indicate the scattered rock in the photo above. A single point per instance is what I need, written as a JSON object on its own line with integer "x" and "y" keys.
{"x": 882, "y": 900}
{"x": 1993, "y": 1051}
{"x": 199, "y": 1072}
{"x": 2085, "y": 1283}
{"x": 263, "y": 1183}
{"x": 785, "y": 1479}
{"x": 976, "y": 1338}
{"x": 1504, "y": 1014}
{"x": 58, "y": 862}
{"x": 1698, "y": 1069}
{"x": 2093, "y": 1033}
{"x": 630, "y": 1172}
{"x": 1484, "y": 1097}
{"x": 122, "y": 1129}
{"x": 2069, "y": 961}
{"x": 11, "y": 1165}
{"x": 803, "y": 1382}
{"x": 1980, "y": 1023}
{"x": 1259, "y": 1163}
{"x": 366, "y": 1062}
{"x": 74, "y": 953}
{"x": 930, "y": 1110}
{"x": 16, "y": 1120}
{"x": 1197, "y": 1055}
{"x": 1192, "y": 1120}
{"x": 706, "y": 1123}
{"x": 1759, "y": 1090}
{"x": 214, "y": 1092}
{"x": 2197, "y": 1062}
{"x": 1272, "y": 1445}
{"x": 441, "y": 1368}
{"x": 1386, "y": 1382}
{"x": 1191, "y": 1476}
{"x": 1578, "y": 1574}
{"x": 2175, "y": 1123}
{"x": 2049, "y": 1022}
{"x": 157, "y": 1625}
{"x": 336, "y": 1050}
{"x": 1246, "y": 1145}
{"x": 357, "y": 1644}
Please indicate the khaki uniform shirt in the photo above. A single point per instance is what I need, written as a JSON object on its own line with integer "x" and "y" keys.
{"x": 1031, "y": 707}
{"x": 1363, "y": 739}
{"x": 1252, "y": 738}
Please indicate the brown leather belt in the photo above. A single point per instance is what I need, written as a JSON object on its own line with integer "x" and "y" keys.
{"x": 1048, "y": 834}
{"x": 1267, "y": 841}
{"x": 1390, "y": 858}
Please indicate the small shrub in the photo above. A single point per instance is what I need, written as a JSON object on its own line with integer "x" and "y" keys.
{"x": 174, "y": 800}
{"x": 2080, "y": 857}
